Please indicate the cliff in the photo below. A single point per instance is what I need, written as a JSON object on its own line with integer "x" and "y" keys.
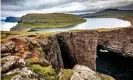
{"x": 62, "y": 50}
{"x": 12, "y": 19}
{"x": 51, "y": 20}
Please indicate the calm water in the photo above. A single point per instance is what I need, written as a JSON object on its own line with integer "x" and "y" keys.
{"x": 92, "y": 23}
{"x": 5, "y": 26}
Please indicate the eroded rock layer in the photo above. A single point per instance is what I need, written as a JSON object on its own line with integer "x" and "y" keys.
{"x": 119, "y": 41}
{"x": 62, "y": 50}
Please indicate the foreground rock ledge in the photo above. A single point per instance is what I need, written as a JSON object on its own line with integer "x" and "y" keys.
{"x": 65, "y": 49}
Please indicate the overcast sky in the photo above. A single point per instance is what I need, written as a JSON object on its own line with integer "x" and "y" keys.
{"x": 21, "y": 7}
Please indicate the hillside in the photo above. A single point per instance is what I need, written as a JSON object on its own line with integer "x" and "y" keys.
{"x": 110, "y": 13}
{"x": 51, "y": 20}
{"x": 12, "y": 19}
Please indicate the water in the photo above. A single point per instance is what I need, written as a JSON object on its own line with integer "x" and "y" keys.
{"x": 92, "y": 23}
{"x": 6, "y": 26}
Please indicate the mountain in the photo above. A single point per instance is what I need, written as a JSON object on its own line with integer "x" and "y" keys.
{"x": 109, "y": 13}
{"x": 12, "y": 19}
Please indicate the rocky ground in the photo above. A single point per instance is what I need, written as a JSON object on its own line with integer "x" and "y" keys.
{"x": 60, "y": 56}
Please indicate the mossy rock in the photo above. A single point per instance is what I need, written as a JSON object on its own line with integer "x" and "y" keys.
{"x": 47, "y": 73}
{"x": 105, "y": 77}
{"x": 66, "y": 74}
{"x": 9, "y": 77}
{"x": 32, "y": 61}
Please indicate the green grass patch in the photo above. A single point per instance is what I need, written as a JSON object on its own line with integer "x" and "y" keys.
{"x": 105, "y": 77}
{"x": 66, "y": 74}
{"x": 47, "y": 73}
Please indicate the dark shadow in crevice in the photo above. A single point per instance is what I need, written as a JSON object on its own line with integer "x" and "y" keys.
{"x": 119, "y": 67}
{"x": 68, "y": 60}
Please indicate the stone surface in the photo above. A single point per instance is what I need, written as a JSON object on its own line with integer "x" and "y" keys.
{"x": 84, "y": 73}
{"x": 65, "y": 49}
{"x": 8, "y": 48}
{"x": 10, "y": 63}
{"x": 23, "y": 74}
{"x": 81, "y": 46}
{"x": 119, "y": 41}
{"x": 51, "y": 51}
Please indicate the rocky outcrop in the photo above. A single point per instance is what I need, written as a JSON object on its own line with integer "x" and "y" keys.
{"x": 63, "y": 50}
{"x": 20, "y": 74}
{"x": 81, "y": 47}
{"x": 84, "y": 73}
{"x": 11, "y": 62}
{"x": 119, "y": 41}
{"x": 8, "y": 48}
{"x": 52, "y": 51}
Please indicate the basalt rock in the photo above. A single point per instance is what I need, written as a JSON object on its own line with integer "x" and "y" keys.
{"x": 8, "y": 48}
{"x": 66, "y": 49}
{"x": 51, "y": 51}
{"x": 84, "y": 73}
{"x": 119, "y": 41}
{"x": 20, "y": 74}
{"x": 79, "y": 48}
{"x": 10, "y": 63}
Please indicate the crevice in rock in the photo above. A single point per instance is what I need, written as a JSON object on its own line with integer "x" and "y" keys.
{"x": 68, "y": 60}
{"x": 117, "y": 66}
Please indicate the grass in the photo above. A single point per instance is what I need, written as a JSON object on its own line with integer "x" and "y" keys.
{"x": 46, "y": 73}
{"x": 105, "y": 77}
{"x": 6, "y": 35}
{"x": 51, "y": 20}
{"x": 30, "y": 61}
{"x": 66, "y": 74}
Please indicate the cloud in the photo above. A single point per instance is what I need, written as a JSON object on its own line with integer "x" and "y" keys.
{"x": 21, "y": 7}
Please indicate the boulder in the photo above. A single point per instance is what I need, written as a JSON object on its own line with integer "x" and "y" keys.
{"x": 84, "y": 73}
{"x": 21, "y": 74}
{"x": 11, "y": 62}
{"x": 8, "y": 48}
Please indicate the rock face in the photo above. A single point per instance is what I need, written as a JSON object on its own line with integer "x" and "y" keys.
{"x": 63, "y": 50}
{"x": 81, "y": 48}
{"x": 8, "y": 48}
{"x": 52, "y": 51}
{"x": 84, "y": 73}
{"x": 20, "y": 74}
{"x": 10, "y": 63}
{"x": 119, "y": 41}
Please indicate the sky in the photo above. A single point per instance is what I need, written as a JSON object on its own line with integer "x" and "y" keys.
{"x": 21, "y": 7}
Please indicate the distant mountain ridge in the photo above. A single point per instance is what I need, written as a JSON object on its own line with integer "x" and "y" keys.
{"x": 109, "y": 13}
{"x": 12, "y": 19}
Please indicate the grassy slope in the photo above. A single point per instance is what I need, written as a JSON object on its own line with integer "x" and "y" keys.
{"x": 51, "y": 20}
{"x": 112, "y": 13}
